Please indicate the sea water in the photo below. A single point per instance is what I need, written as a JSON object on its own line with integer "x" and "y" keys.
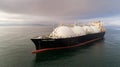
{"x": 16, "y": 48}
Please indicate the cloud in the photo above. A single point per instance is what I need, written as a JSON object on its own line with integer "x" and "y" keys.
{"x": 112, "y": 21}
{"x": 14, "y": 17}
{"x": 107, "y": 21}
{"x": 81, "y": 8}
{"x": 57, "y": 10}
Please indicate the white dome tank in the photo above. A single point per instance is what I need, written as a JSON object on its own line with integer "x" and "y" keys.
{"x": 88, "y": 29}
{"x": 78, "y": 30}
{"x": 62, "y": 32}
{"x": 95, "y": 29}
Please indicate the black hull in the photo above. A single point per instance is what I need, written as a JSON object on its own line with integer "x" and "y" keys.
{"x": 65, "y": 42}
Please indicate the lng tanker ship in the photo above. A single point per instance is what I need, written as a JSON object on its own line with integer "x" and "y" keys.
{"x": 66, "y": 36}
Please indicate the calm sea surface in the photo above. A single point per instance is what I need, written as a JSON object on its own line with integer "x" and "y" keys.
{"x": 16, "y": 47}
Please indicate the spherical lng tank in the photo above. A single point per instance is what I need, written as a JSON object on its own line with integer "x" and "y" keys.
{"x": 88, "y": 29}
{"x": 62, "y": 32}
{"x": 78, "y": 30}
{"x": 95, "y": 29}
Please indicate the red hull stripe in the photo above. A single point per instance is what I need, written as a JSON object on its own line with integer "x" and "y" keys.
{"x": 47, "y": 49}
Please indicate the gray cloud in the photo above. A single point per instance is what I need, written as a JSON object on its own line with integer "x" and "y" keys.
{"x": 62, "y": 8}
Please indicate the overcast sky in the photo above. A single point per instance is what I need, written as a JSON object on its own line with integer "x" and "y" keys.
{"x": 59, "y": 10}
